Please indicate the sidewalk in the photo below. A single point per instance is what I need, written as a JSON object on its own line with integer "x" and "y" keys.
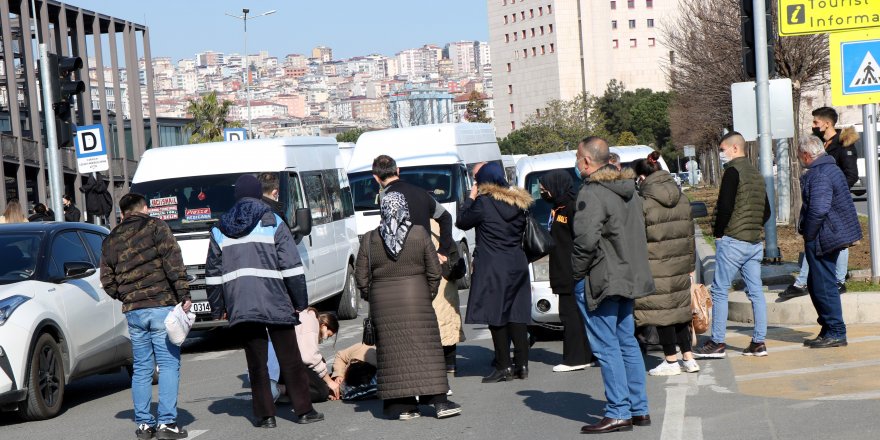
{"x": 858, "y": 307}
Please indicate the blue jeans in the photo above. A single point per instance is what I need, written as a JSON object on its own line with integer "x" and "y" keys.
{"x": 824, "y": 292}
{"x": 150, "y": 346}
{"x": 841, "y": 268}
{"x": 732, "y": 256}
{"x": 611, "y": 330}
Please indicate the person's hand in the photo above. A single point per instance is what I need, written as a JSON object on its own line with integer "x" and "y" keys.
{"x": 334, "y": 390}
{"x": 339, "y": 380}
{"x": 442, "y": 258}
{"x": 474, "y": 192}
{"x": 187, "y": 305}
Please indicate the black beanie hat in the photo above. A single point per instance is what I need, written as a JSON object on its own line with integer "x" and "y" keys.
{"x": 247, "y": 186}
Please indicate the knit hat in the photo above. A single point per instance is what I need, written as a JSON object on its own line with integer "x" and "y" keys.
{"x": 247, "y": 186}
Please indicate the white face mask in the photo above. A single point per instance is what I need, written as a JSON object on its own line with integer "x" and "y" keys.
{"x": 723, "y": 158}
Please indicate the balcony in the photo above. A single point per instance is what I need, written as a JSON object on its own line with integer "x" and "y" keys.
{"x": 9, "y": 146}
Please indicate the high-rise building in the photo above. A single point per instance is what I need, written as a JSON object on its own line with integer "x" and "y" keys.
{"x": 483, "y": 56}
{"x": 209, "y": 59}
{"x": 463, "y": 57}
{"x": 557, "y": 49}
{"x": 323, "y": 53}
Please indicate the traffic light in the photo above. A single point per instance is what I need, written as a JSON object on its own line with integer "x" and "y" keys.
{"x": 65, "y": 87}
{"x": 748, "y": 37}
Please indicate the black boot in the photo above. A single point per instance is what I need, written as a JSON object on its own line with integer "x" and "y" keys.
{"x": 521, "y": 372}
{"x": 267, "y": 422}
{"x": 499, "y": 375}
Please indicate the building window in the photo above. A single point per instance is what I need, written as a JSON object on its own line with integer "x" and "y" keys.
{"x": 632, "y": 42}
{"x": 650, "y": 22}
{"x": 516, "y": 36}
{"x": 533, "y": 32}
{"x": 523, "y": 14}
{"x": 551, "y": 28}
{"x": 508, "y": 67}
{"x": 514, "y": 18}
{"x": 649, "y": 3}
{"x": 631, "y": 4}
{"x": 652, "y": 42}
{"x": 512, "y": 125}
{"x": 543, "y": 49}
{"x": 540, "y": 10}
{"x": 615, "y": 44}
{"x": 525, "y": 53}
{"x": 552, "y": 48}
{"x": 613, "y": 5}
{"x": 534, "y": 51}
{"x": 542, "y": 30}
{"x": 632, "y": 24}
{"x": 509, "y": 89}
{"x": 507, "y": 38}
{"x": 531, "y": 13}
{"x": 511, "y": 108}
{"x": 505, "y": 19}
{"x": 503, "y": 2}
{"x": 516, "y": 54}
{"x": 613, "y": 24}
{"x": 549, "y": 9}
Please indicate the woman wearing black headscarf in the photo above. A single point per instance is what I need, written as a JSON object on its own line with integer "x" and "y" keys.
{"x": 398, "y": 268}
{"x": 500, "y": 294}
{"x": 557, "y": 189}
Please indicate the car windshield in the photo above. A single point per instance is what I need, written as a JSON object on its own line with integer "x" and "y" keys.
{"x": 18, "y": 256}
{"x": 541, "y": 209}
{"x": 190, "y": 204}
{"x": 439, "y": 180}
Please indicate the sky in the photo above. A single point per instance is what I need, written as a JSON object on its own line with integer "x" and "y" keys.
{"x": 181, "y": 28}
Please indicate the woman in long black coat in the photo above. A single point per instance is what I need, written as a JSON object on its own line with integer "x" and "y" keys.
{"x": 398, "y": 267}
{"x": 500, "y": 294}
{"x": 557, "y": 189}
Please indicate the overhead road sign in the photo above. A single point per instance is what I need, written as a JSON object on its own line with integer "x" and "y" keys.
{"x": 91, "y": 149}
{"x": 855, "y": 74}
{"x": 234, "y": 134}
{"x": 799, "y": 17}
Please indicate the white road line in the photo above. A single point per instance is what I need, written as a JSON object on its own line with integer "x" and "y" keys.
{"x": 211, "y": 356}
{"x": 693, "y": 428}
{"x": 673, "y": 414}
{"x": 794, "y": 347}
{"x": 865, "y": 395}
{"x": 809, "y": 370}
{"x": 197, "y": 432}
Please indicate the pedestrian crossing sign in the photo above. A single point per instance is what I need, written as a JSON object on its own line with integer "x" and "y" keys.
{"x": 855, "y": 74}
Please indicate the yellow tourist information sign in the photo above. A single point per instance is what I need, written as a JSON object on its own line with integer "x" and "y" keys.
{"x": 798, "y": 17}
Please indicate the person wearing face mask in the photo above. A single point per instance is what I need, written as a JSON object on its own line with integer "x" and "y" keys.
{"x": 558, "y": 190}
{"x": 740, "y": 215}
{"x": 270, "y": 187}
{"x": 839, "y": 146}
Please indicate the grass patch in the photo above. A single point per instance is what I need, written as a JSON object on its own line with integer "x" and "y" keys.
{"x": 862, "y": 286}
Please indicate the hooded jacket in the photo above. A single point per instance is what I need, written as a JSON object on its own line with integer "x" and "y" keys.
{"x": 500, "y": 289}
{"x": 253, "y": 272}
{"x": 609, "y": 238}
{"x": 670, "y": 233}
{"x": 828, "y": 215}
{"x": 560, "y": 185}
{"x": 840, "y": 147}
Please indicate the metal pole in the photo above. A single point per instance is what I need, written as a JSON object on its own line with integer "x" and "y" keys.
{"x": 97, "y": 219}
{"x": 762, "y": 93}
{"x": 51, "y": 136}
{"x": 247, "y": 78}
{"x": 869, "y": 116}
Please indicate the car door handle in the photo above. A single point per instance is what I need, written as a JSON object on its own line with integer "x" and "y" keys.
{"x": 52, "y": 289}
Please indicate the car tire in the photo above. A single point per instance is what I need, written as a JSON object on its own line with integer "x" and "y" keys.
{"x": 464, "y": 282}
{"x": 349, "y": 299}
{"x": 45, "y": 381}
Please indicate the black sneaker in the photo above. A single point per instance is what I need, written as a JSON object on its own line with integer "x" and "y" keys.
{"x": 145, "y": 432}
{"x": 829, "y": 343}
{"x": 710, "y": 350}
{"x": 310, "y": 417}
{"x": 758, "y": 349}
{"x": 841, "y": 287}
{"x": 809, "y": 342}
{"x": 793, "y": 291}
{"x": 447, "y": 409}
{"x": 170, "y": 431}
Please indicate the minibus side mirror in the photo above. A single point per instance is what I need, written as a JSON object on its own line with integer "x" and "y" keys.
{"x": 302, "y": 223}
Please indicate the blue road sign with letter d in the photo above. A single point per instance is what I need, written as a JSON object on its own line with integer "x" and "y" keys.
{"x": 234, "y": 134}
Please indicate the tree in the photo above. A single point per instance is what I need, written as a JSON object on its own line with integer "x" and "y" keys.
{"x": 210, "y": 118}
{"x": 642, "y": 112}
{"x": 350, "y": 135}
{"x": 559, "y": 127}
{"x": 627, "y": 138}
{"x": 476, "y": 108}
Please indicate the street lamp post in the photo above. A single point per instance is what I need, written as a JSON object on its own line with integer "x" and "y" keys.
{"x": 245, "y": 64}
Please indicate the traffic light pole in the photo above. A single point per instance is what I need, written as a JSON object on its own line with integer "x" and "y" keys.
{"x": 55, "y": 182}
{"x": 765, "y": 137}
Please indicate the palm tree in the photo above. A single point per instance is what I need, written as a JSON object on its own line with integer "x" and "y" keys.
{"x": 210, "y": 117}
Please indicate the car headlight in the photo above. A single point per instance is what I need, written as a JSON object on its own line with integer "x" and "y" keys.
{"x": 8, "y": 305}
{"x": 541, "y": 270}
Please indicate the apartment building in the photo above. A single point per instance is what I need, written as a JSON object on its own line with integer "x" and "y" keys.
{"x": 556, "y": 49}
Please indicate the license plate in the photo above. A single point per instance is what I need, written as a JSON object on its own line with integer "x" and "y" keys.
{"x": 201, "y": 307}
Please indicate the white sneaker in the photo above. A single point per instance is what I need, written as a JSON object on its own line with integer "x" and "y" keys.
{"x": 562, "y": 368}
{"x": 691, "y": 366}
{"x": 665, "y": 369}
{"x": 449, "y": 393}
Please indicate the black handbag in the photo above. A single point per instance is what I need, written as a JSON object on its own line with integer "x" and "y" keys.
{"x": 537, "y": 241}
{"x": 369, "y": 337}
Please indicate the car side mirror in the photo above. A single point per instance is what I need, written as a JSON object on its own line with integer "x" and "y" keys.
{"x": 699, "y": 209}
{"x": 302, "y": 223}
{"x": 78, "y": 269}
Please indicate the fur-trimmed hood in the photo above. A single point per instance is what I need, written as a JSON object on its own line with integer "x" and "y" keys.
{"x": 621, "y": 182}
{"x": 514, "y": 198}
{"x": 848, "y": 136}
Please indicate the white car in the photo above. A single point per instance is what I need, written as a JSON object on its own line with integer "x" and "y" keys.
{"x": 56, "y": 322}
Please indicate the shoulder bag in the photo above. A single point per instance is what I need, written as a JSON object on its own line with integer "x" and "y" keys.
{"x": 369, "y": 337}
{"x": 701, "y": 306}
{"x": 537, "y": 241}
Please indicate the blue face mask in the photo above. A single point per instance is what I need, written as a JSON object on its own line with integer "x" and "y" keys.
{"x": 577, "y": 171}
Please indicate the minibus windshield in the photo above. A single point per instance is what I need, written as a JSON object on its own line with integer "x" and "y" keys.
{"x": 541, "y": 209}
{"x": 441, "y": 181}
{"x": 190, "y": 204}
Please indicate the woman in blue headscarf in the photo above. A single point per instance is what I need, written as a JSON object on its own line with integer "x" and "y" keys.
{"x": 500, "y": 294}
